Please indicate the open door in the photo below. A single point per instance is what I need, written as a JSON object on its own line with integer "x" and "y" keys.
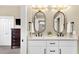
{"x": 6, "y": 23}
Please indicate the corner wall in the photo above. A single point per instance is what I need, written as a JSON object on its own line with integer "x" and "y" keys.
{"x": 23, "y": 16}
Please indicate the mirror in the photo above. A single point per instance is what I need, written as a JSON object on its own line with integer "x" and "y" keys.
{"x": 59, "y": 22}
{"x": 39, "y": 22}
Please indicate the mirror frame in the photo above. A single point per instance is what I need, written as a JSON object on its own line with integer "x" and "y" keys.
{"x": 34, "y": 18}
{"x": 64, "y": 24}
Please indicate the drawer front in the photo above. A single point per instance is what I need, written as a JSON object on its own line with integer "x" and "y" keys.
{"x": 68, "y": 43}
{"x": 36, "y": 43}
{"x": 52, "y": 43}
{"x": 52, "y": 50}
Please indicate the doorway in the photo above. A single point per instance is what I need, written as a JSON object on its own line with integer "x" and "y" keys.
{"x": 6, "y": 24}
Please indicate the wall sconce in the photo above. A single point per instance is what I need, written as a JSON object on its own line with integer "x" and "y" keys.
{"x": 39, "y": 7}
{"x": 60, "y": 7}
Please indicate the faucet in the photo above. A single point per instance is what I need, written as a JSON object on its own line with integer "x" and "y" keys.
{"x": 39, "y": 34}
{"x": 60, "y": 34}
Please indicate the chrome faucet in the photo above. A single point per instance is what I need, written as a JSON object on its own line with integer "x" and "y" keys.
{"x": 39, "y": 34}
{"x": 60, "y": 34}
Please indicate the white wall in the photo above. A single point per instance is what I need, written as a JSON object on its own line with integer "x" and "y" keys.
{"x": 23, "y": 29}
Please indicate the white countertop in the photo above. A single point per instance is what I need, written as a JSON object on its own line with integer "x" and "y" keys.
{"x": 54, "y": 38}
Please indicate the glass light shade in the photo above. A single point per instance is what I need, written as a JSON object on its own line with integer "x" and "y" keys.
{"x": 39, "y": 7}
{"x": 60, "y": 7}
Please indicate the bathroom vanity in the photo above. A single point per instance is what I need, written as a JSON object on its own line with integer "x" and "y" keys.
{"x": 61, "y": 43}
{"x": 52, "y": 45}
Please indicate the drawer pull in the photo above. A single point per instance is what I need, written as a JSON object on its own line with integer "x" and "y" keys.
{"x": 13, "y": 36}
{"x": 13, "y": 39}
{"x": 44, "y": 51}
{"x": 52, "y": 43}
{"x": 13, "y": 33}
{"x": 59, "y": 51}
{"x": 52, "y": 50}
{"x": 13, "y": 43}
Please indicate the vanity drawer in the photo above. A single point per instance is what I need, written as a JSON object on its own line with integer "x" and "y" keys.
{"x": 52, "y": 50}
{"x": 52, "y": 43}
{"x": 36, "y": 43}
{"x": 68, "y": 43}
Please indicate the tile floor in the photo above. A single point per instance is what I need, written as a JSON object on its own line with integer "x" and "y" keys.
{"x": 8, "y": 50}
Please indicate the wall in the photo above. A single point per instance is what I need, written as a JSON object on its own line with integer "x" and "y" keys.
{"x": 9, "y": 10}
{"x": 23, "y": 15}
{"x": 72, "y": 14}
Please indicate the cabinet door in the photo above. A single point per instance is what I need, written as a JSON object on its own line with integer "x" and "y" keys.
{"x": 6, "y": 23}
{"x": 36, "y": 50}
{"x": 67, "y": 50}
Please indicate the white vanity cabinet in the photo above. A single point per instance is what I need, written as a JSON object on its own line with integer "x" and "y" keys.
{"x": 52, "y": 46}
{"x": 36, "y": 47}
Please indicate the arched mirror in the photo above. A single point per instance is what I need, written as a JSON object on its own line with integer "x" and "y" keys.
{"x": 59, "y": 22}
{"x": 39, "y": 22}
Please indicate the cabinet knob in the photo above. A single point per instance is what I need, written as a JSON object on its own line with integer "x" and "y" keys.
{"x": 44, "y": 51}
{"x": 52, "y": 43}
{"x": 59, "y": 51}
{"x": 52, "y": 50}
{"x": 22, "y": 40}
{"x": 13, "y": 33}
{"x": 13, "y": 43}
{"x": 13, "y": 39}
{"x": 13, "y": 36}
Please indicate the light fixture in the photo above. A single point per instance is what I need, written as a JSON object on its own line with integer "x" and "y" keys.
{"x": 39, "y": 7}
{"x": 60, "y": 7}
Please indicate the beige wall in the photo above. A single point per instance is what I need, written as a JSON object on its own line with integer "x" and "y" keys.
{"x": 72, "y": 14}
{"x": 8, "y": 10}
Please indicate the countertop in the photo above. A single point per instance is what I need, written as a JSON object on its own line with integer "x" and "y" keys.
{"x": 53, "y": 38}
